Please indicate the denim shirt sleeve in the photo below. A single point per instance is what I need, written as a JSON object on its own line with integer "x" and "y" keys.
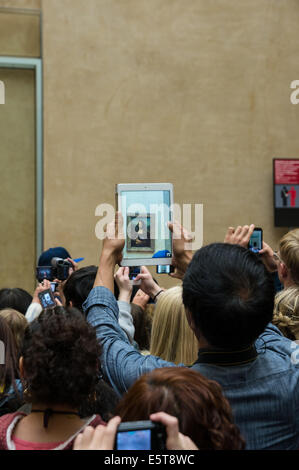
{"x": 121, "y": 362}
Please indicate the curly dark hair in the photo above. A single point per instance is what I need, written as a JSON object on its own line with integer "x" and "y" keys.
{"x": 60, "y": 358}
{"x": 204, "y": 414}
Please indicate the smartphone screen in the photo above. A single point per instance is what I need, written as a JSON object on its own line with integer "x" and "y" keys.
{"x": 134, "y": 440}
{"x": 47, "y": 299}
{"x": 165, "y": 269}
{"x": 146, "y": 214}
{"x": 134, "y": 271}
{"x": 256, "y": 240}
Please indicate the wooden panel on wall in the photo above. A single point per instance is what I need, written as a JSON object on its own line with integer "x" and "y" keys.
{"x": 195, "y": 93}
{"x": 19, "y": 34}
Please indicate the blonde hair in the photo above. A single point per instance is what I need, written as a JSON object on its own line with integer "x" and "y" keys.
{"x": 289, "y": 253}
{"x": 17, "y": 323}
{"x": 172, "y": 338}
{"x": 286, "y": 312}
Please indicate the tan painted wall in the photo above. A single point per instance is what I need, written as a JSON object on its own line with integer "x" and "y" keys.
{"x": 196, "y": 93}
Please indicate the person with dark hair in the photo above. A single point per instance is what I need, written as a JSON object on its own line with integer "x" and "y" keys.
{"x": 60, "y": 369}
{"x": 78, "y": 286}
{"x": 17, "y": 299}
{"x": 10, "y": 385}
{"x": 203, "y": 412}
{"x": 229, "y": 297}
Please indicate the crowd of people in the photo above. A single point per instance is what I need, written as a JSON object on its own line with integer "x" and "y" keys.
{"x": 210, "y": 359}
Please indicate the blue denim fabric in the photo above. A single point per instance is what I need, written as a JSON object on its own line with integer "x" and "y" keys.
{"x": 263, "y": 394}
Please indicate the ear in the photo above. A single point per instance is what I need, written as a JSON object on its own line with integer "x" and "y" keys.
{"x": 283, "y": 271}
{"x": 71, "y": 304}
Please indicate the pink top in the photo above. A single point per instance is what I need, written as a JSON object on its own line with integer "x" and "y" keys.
{"x": 24, "y": 445}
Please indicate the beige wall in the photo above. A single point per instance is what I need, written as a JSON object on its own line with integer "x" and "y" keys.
{"x": 195, "y": 93}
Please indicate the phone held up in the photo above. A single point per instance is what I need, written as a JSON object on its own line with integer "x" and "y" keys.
{"x": 140, "y": 435}
{"x": 134, "y": 271}
{"x": 165, "y": 269}
{"x": 256, "y": 240}
{"x": 47, "y": 299}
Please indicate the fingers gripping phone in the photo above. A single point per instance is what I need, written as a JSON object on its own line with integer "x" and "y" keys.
{"x": 256, "y": 240}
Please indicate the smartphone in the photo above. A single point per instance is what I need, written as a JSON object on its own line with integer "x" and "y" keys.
{"x": 47, "y": 299}
{"x": 54, "y": 286}
{"x": 165, "y": 269}
{"x": 134, "y": 271}
{"x": 256, "y": 240}
{"x": 146, "y": 211}
{"x": 140, "y": 435}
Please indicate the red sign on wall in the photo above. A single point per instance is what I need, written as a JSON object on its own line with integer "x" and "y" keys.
{"x": 286, "y": 171}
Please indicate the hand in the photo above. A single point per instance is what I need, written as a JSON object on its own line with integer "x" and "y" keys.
{"x": 240, "y": 235}
{"x": 175, "y": 440}
{"x": 182, "y": 254}
{"x": 111, "y": 254}
{"x": 100, "y": 438}
{"x": 45, "y": 285}
{"x": 75, "y": 266}
{"x": 114, "y": 241}
{"x": 124, "y": 284}
{"x": 148, "y": 285}
{"x": 267, "y": 257}
{"x": 141, "y": 299}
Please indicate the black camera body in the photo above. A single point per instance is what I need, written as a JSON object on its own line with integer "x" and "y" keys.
{"x": 140, "y": 435}
{"x": 59, "y": 270}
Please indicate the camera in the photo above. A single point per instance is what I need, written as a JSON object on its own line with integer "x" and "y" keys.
{"x": 59, "y": 270}
{"x": 140, "y": 435}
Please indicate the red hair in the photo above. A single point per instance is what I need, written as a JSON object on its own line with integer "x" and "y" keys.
{"x": 203, "y": 412}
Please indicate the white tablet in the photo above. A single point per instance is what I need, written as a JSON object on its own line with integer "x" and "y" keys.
{"x": 146, "y": 211}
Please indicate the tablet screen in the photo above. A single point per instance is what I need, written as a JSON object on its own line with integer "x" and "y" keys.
{"x": 146, "y": 214}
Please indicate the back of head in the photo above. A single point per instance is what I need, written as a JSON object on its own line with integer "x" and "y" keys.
{"x": 60, "y": 358}
{"x": 172, "y": 338}
{"x": 47, "y": 256}
{"x": 17, "y": 323}
{"x": 17, "y": 299}
{"x": 289, "y": 253}
{"x": 8, "y": 358}
{"x": 79, "y": 285}
{"x": 286, "y": 312}
{"x": 229, "y": 295}
{"x": 203, "y": 412}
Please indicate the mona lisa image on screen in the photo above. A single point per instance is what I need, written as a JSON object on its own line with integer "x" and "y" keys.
{"x": 141, "y": 232}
